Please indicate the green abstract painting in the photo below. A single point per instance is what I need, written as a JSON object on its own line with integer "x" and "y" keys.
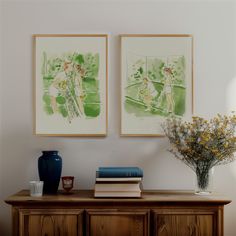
{"x": 155, "y": 86}
{"x": 71, "y": 85}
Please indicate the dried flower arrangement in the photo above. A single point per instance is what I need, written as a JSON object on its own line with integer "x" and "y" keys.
{"x": 202, "y": 144}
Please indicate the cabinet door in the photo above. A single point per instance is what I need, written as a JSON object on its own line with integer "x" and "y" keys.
{"x": 48, "y": 222}
{"x": 184, "y": 223}
{"x": 117, "y": 222}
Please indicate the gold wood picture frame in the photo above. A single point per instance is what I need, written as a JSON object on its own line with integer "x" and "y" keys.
{"x": 156, "y": 81}
{"x": 70, "y": 84}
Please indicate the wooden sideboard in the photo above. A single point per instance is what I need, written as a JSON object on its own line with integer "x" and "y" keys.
{"x": 159, "y": 213}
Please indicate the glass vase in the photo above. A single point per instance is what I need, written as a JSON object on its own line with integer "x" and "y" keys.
{"x": 204, "y": 181}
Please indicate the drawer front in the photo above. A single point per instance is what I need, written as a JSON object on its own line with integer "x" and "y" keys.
{"x": 117, "y": 222}
{"x": 45, "y": 222}
{"x": 184, "y": 223}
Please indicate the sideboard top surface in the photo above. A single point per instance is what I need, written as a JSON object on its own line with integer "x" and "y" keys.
{"x": 148, "y": 196}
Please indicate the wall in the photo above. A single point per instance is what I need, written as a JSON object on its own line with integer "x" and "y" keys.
{"x": 1, "y": 159}
{"x": 213, "y": 27}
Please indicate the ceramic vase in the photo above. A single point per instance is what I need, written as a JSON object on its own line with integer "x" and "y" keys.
{"x": 49, "y": 168}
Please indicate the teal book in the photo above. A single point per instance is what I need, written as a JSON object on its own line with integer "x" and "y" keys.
{"x": 112, "y": 172}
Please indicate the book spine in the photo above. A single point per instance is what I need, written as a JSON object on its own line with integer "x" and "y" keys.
{"x": 119, "y": 173}
{"x": 119, "y": 168}
{"x": 122, "y": 179}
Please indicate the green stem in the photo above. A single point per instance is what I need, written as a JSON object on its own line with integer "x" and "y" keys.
{"x": 202, "y": 173}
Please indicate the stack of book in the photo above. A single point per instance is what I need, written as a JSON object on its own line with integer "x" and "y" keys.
{"x": 118, "y": 182}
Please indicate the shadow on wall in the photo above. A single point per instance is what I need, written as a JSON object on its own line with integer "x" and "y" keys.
{"x": 230, "y": 169}
{"x": 231, "y": 106}
{"x": 231, "y": 95}
{"x": 5, "y": 223}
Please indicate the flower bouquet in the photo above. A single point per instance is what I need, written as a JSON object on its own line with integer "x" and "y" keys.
{"x": 202, "y": 144}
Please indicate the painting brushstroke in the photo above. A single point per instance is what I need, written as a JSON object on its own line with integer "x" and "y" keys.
{"x": 156, "y": 86}
{"x": 70, "y": 85}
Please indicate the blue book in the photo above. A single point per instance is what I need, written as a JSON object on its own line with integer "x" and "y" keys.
{"x": 112, "y": 172}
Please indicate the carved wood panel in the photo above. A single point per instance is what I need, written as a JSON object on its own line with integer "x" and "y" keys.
{"x": 156, "y": 213}
{"x": 44, "y": 222}
{"x": 186, "y": 223}
{"x": 117, "y": 223}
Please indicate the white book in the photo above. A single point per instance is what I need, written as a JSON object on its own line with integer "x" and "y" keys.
{"x": 117, "y": 187}
{"x": 117, "y": 194}
{"x": 128, "y": 179}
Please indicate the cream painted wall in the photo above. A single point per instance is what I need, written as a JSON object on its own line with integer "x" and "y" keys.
{"x": 1, "y": 166}
{"x": 211, "y": 23}
{"x": 1, "y": 159}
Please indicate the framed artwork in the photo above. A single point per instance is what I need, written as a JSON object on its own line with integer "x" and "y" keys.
{"x": 156, "y": 81}
{"x": 70, "y": 85}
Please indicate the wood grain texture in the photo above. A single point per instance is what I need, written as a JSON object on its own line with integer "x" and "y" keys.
{"x": 115, "y": 222}
{"x": 188, "y": 222}
{"x": 87, "y": 196}
{"x": 46, "y": 222}
{"x": 15, "y": 221}
{"x": 157, "y": 213}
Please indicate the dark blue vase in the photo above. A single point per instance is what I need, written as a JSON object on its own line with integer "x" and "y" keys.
{"x": 49, "y": 167}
